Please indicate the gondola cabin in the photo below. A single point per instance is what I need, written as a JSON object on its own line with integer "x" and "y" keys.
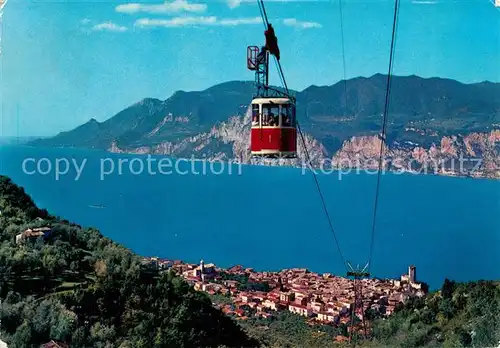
{"x": 273, "y": 133}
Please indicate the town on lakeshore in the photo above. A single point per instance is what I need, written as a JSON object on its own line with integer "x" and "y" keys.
{"x": 320, "y": 298}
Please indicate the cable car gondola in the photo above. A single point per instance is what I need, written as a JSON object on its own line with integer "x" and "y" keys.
{"x": 273, "y": 132}
{"x": 274, "y": 126}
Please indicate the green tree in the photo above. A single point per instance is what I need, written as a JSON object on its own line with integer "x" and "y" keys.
{"x": 22, "y": 336}
{"x": 447, "y": 289}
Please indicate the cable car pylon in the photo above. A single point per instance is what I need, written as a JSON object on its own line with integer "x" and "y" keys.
{"x": 358, "y": 274}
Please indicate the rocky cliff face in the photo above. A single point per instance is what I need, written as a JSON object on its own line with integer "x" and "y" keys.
{"x": 475, "y": 154}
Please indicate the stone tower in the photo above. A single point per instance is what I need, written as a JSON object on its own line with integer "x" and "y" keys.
{"x": 412, "y": 274}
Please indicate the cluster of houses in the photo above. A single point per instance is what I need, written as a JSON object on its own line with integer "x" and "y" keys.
{"x": 320, "y": 298}
{"x": 33, "y": 234}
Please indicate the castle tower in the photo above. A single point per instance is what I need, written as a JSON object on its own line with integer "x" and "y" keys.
{"x": 412, "y": 274}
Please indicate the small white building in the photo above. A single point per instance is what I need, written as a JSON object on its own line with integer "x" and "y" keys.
{"x": 32, "y": 233}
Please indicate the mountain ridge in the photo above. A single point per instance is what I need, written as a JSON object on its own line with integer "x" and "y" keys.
{"x": 214, "y": 123}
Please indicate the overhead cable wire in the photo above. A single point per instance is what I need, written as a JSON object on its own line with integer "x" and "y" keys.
{"x": 308, "y": 158}
{"x": 384, "y": 129}
{"x": 325, "y": 209}
{"x": 343, "y": 53}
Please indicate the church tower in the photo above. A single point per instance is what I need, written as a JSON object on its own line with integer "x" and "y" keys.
{"x": 202, "y": 270}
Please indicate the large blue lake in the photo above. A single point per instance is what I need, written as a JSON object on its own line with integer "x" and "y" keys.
{"x": 272, "y": 218}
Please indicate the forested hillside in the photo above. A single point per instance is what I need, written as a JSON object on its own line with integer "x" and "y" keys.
{"x": 459, "y": 315}
{"x": 74, "y": 286}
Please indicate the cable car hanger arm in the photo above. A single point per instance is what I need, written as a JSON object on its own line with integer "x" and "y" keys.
{"x": 272, "y": 43}
{"x": 281, "y": 93}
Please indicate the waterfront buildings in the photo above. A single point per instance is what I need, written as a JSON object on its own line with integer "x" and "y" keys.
{"x": 320, "y": 298}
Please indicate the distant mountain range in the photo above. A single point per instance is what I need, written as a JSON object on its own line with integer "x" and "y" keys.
{"x": 12, "y": 140}
{"x": 429, "y": 120}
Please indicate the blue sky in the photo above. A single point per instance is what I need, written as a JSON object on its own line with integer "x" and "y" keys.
{"x": 65, "y": 62}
